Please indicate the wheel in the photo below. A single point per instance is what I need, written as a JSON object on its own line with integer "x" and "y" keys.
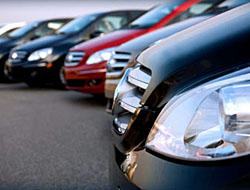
{"x": 109, "y": 105}
{"x": 60, "y": 79}
{"x": 4, "y": 77}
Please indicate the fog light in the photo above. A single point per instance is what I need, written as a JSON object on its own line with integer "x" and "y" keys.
{"x": 33, "y": 74}
{"x": 92, "y": 83}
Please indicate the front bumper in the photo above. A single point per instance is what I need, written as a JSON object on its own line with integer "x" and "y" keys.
{"x": 112, "y": 80}
{"x": 110, "y": 86}
{"x": 147, "y": 170}
{"x": 42, "y": 71}
{"x": 86, "y": 78}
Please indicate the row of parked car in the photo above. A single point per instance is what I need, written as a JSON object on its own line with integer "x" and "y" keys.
{"x": 176, "y": 80}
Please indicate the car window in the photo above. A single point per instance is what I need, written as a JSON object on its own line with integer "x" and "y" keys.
{"x": 47, "y": 28}
{"x": 154, "y": 16}
{"x": 224, "y": 6}
{"x": 194, "y": 10}
{"x": 23, "y": 30}
{"x": 6, "y": 34}
{"x": 77, "y": 24}
{"x": 111, "y": 22}
{"x": 136, "y": 14}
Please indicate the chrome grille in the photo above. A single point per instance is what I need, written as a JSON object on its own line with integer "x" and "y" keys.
{"x": 139, "y": 78}
{"x": 18, "y": 56}
{"x": 73, "y": 58}
{"x": 128, "y": 96}
{"x": 118, "y": 61}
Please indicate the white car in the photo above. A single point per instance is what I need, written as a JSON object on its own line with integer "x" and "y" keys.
{"x": 7, "y": 28}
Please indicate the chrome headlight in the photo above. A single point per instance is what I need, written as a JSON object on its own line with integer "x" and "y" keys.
{"x": 100, "y": 56}
{"x": 40, "y": 54}
{"x": 210, "y": 122}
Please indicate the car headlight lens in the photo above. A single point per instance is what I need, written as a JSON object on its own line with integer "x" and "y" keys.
{"x": 100, "y": 56}
{"x": 40, "y": 54}
{"x": 210, "y": 122}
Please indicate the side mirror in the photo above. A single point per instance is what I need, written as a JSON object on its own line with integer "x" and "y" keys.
{"x": 96, "y": 34}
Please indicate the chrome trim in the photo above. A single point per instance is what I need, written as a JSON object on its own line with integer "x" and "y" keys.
{"x": 137, "y": 82}
{"x": 121, "y": 56}
{"x": 130, "y": 103}
{"x": 119, "y": 60}
{"x": 118, "y": 64}
{"x": 139, "y": 78}
{"x": 92, "y": 71}
{"x": 73, "y": 58}
{"x": 120, "y": 85}
{"x": 121, "y": 127}
{"x": 113, "y": 74}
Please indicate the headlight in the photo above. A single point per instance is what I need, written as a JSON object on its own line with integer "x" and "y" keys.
{"x": 40, "y": 54}
{"x": 210, "y": 122}
{"x": 100, "y": 56}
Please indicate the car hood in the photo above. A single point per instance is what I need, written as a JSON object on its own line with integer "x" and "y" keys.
{"x": 6, "y": 44}
{"x": 202, "y": 52}
{"x": 109, "y": 40}
{"x": 44, "y": 42}
{"x": 139, "y": 44}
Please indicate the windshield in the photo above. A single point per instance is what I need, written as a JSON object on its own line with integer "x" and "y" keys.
{"x": 5, "y": 34}
{"x": 77, "y": 24}
{"x": 24, "y": 30}
{"x": 154, "y": 16}
{"x": 194, "y": 10}
{"x": 224, "y": 6}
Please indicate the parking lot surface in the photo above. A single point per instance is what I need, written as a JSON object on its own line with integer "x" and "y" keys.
{"x": 52, "y": 139}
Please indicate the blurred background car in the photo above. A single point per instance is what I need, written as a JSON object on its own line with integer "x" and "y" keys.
{"x": 181, "y": 114}
{"x": 42, "y": 60}
{"x": 124, "y": 55}
{"x": 5, "y": 29}
{"x": 87, "y": 74}
{"x": 24, "y": 34}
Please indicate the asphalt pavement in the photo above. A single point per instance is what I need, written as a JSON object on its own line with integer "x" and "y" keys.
{"x": 52, "y": 139}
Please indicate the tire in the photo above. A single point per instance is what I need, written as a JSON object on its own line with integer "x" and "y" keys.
{"x": 6, "y": 76}
{"x": 3, "y": 73}
{"x": 109, "y": 105}
{"x": 60, "y": 81}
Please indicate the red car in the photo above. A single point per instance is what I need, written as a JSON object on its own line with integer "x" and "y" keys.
{"x": 85, "y": 64}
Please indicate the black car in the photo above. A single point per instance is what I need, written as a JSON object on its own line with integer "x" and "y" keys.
{"x": 42, "y": 60}
{"x": 25, "y": 34}
{"x": 182, "y": 114}
{"x": 124, "y": 55}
